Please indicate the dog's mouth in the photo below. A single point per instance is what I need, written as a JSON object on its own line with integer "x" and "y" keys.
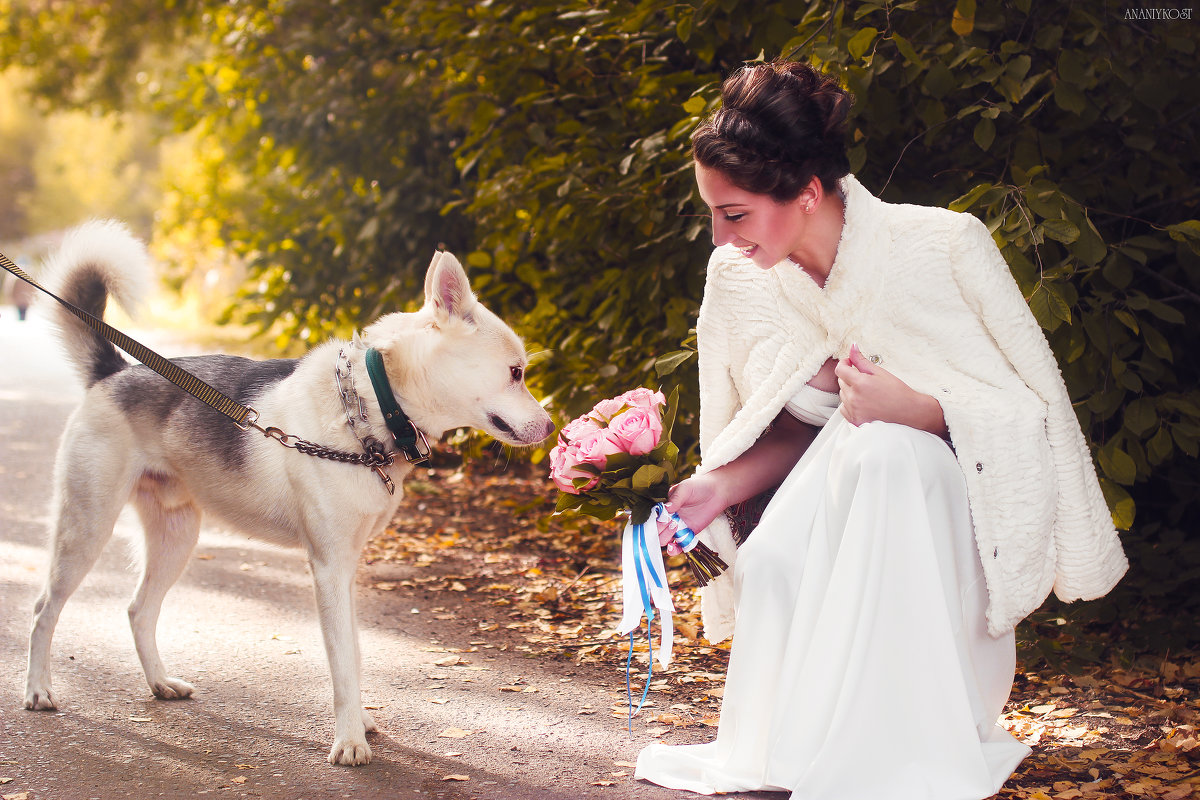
{"x": 499, "y": 424}
{"x": 526, "y": 436}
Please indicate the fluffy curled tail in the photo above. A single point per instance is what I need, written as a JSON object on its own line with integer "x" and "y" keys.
{"x": 97, "y": 260}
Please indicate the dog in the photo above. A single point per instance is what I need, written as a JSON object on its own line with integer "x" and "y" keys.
{"x": 138, "y": 439}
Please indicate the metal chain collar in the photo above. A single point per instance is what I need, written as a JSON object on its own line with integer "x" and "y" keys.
{"x": 376, "y": 460}
{"x": 374, "y": 454}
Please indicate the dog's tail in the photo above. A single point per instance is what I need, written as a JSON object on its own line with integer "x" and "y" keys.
{"x": 96, "y": 260}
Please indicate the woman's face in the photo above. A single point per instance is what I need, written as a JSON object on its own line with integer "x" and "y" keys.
{"x": 765, "y": 231}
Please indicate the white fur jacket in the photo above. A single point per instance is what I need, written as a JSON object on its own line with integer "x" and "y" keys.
{"x": 927, "y": 293}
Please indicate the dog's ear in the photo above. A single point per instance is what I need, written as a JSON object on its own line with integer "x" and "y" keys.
{"x": 447, "y": 288}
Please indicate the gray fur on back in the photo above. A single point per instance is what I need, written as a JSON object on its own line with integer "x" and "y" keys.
{"x": 144, "y": 394}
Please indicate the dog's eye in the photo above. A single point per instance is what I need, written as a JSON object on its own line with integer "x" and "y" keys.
{"x": 517, "y": 373}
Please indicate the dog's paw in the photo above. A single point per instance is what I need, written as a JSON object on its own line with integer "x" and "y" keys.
{"x": 350, "y": 753}
{"x": 369, "y": 722}
{"x": 40, "y": 699}
{"x": 172, "y": 689}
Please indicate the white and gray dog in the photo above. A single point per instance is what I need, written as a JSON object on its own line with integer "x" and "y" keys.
{"x": 138, "y": 439}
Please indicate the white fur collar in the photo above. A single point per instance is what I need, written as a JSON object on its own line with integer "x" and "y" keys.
{"x": 821, "y": 317}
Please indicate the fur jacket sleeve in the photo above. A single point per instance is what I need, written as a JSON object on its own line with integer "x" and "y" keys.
{"x": 925, "y": 293}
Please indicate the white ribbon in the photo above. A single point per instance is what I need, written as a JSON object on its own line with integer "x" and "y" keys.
{"x": 644, "y": 582}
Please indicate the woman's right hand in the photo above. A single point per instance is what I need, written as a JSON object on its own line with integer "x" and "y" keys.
{"x": 697, "y": 501}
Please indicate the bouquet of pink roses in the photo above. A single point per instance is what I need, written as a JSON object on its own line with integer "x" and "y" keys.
{"x": 619, "y": 456}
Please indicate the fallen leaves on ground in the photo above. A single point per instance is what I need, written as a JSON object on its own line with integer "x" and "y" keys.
{"x": 552, "y": 587}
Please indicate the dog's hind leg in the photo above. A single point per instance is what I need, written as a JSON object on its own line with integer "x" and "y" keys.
{"x": 171, "y": 522}
{"x": 86, "y": 512}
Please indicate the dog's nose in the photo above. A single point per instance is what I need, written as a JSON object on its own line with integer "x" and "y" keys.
{"x": 547, "y": 428}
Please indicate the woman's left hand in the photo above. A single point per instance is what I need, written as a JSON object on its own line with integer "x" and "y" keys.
{"x": 870, "y": 393}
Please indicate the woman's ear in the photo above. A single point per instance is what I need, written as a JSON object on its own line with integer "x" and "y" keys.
{"x": 811, "y": 196}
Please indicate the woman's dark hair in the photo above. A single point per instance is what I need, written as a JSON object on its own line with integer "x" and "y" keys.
{"x": 780, "y": 124}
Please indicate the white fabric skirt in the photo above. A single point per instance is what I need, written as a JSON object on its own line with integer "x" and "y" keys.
{"x": 861, "y": 664}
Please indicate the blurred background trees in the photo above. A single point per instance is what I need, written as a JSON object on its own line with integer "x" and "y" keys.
{"x": 328, "y": 147}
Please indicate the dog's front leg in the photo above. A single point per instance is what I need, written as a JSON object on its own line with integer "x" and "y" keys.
{"x": 333, "y": 578}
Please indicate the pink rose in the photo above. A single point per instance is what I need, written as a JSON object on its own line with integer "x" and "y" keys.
{"x": 582, "y": 428}
{"x": 605, "y": 410}
{"x": 564, "y": 468}
{"x": 636, "y": 430}
{"x": 565, "y": 461}
{"x": 643, "y": 398}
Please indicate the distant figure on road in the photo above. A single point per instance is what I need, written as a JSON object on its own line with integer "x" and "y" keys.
{"x": 21, "y": 294}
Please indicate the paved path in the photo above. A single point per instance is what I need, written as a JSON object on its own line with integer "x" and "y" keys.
{"x": 241, "y": 626}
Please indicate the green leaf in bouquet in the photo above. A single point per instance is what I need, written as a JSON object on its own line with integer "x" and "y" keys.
{"x": 566, "y": 502}
{"x": 581, "y": 482}
{"x": 665, "y": 453}
{"x": 620, "y": 461}
{"x": 639, "y": 512}
{"x": 668, "y": 418}
{"x": 648, "y": 475}
{"x": 602, "y": 511}
{"x": 613, "y": 476}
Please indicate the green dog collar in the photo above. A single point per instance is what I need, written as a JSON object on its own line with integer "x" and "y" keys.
{"x": 409, "y": 440}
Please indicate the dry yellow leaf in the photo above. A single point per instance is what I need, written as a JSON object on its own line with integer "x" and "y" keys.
{"x": 457, "y": 778}
{"x": 454, "y": 733}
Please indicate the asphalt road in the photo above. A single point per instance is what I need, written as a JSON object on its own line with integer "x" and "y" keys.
{"x": 241, "y": 626}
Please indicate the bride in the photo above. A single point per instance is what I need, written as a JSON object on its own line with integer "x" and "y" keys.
{"x": 876, "y": 363}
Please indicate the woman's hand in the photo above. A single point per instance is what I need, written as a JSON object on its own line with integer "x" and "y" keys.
{"x": 697, "y": 501}
{"x": 870, "y": 393}
{"x": 701, "y": 498}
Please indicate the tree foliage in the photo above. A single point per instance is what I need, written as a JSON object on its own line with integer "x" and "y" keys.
{"x": 548, "y": 142}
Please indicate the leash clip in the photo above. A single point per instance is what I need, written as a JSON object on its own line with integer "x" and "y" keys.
{"x": 251, "y": 421}
{"x": 388, "y": 483}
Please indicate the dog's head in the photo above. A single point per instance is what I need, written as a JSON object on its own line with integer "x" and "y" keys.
{"x": 455, "y": 364}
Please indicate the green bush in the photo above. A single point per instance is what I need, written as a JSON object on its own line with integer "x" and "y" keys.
{"x": 547, "y": 141}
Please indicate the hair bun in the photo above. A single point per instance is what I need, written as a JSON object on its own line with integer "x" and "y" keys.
{"x": 780, "y": 124}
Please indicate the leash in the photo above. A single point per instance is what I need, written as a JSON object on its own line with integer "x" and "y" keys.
{"x": 408, "y": 438}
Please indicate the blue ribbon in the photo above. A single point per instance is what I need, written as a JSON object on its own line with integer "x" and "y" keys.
{"x": 685, "y": 537}
{"x": 641, "y": 558}
{"x": 645, "y": 589}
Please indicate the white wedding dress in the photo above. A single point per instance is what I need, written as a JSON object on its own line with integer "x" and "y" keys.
{"x": 861, "y": 667}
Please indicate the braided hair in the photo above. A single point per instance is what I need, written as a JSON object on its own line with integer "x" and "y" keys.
{"x": 780, "y": 125}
